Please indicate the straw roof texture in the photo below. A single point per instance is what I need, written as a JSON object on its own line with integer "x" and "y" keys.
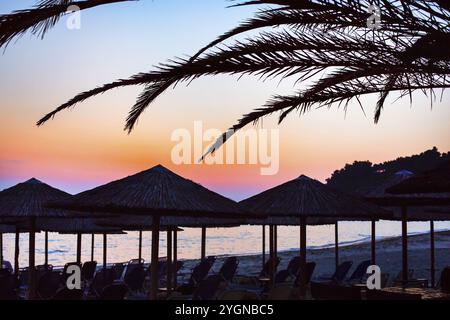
{"x": 27, "y": 200}
{"x": 157, "y": 191}
{"x": 311, "y": 199}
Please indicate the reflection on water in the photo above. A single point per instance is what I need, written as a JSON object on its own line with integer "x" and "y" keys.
{"x": 241, "y": 240}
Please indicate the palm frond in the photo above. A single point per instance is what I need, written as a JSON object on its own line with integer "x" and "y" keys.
{"x": 302, "y": 38}
{"x": 41, "y": 18}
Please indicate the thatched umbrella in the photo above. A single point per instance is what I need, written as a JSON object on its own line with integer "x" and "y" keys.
{"x": 410, "y": 207}
{"x": 303, "y": 201}
{"x": 433, "y": 181}
{"x": 156, "y": 192}
{"x": 25, "y": 202}
{"x": 430, "y": 182}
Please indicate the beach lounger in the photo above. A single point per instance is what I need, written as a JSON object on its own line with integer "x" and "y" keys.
{"x": 8, "y": 287}
{"x": 114, "y": 292}
{"x": 360, "y": 273}
{"x": 290, "y": 272}
{"x": 5, "y": 272}
{"x": 331, "y": 291}
{"x": 118, "y": 270}
{"x": 384, "y": 295}
{"x": 254, "y": 281}
{"x": 199, "y": 273}
{"x": 134, "y": 277}
{"x": 64, "y": 275}
{"x": 228, "y": 269}
{"x": 281, "y": 291}
{"x": 49, "y": 284}
{"x": 445, "y": 280}
{"x": 88, "y": 270}
{"x": 102, "y": 279}
{"x": 310, "y": 267}
{"x": 207, "y": 288}
{"x": 7, "y": 265}
{"x": 339, "y": 274}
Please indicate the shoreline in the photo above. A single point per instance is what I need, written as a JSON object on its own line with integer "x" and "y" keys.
{"x": 388, "y": 253}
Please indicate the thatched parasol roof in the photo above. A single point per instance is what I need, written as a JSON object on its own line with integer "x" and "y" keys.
{"x": 75, "y": 226}
{"x": 6, "y": 228}
{"x": 311, "y": 199}
{"x": 421, "y": 207}
{"x": 145, "y": 223}
{"x": 157, "y": 191}
{"x": 433, "y": 181}
{"x": 27, "y": 200}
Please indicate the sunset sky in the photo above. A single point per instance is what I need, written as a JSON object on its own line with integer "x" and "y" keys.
{"x": 86, "y": 146}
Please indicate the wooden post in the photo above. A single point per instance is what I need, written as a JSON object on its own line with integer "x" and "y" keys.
{"x": 432, "y": 255}
{"x": 169, "y": 260}
{"x": 92, "y": 246}
{"x": 303, "y": 270}
{"x": 16, "y": 252}
{"x": 140, "y": 246}
{"x": 155, "y": 257}
{"x": 263, "y": 245}
{"x": 203, "y": 253}
{"x": 275, "y": 244}
{"x": 271, "y": 255}
{"x": 373, "y": 243}
{"x": 175, "y": 257}
{"x": 404, "y": 246}
{"x": 336, "y": 244}
{"x": 46, "y": 249}
{"x": 31, "y": 259}
{"x": 1, "y": 250}
{"x": 105, "y": 246}
{"x": 79, "y": 247}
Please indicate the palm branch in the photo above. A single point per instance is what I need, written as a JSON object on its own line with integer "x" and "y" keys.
{"x": 301, "y": 38}
{"x": 39, "y": 19}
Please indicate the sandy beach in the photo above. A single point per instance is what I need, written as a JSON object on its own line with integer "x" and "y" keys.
{"x": 388, "y": 257}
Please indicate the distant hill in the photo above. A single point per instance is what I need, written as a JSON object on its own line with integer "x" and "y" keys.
{"x": 363, "y": 176}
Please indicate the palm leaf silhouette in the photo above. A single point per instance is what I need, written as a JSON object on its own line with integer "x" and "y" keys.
{"x": 41, "y": 18}
{"x": 301, "y": 38}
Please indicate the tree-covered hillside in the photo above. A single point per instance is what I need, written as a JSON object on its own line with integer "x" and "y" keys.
{"x": 363, "y": 176}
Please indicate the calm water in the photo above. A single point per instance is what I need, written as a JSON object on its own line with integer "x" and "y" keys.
{"x": 241, "y": 241}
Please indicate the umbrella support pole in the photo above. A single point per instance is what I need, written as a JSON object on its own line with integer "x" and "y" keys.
{"x": 432, "y": 255}
{"x": 404, "y": 246}
{"x": 336, "y": 244}
{"x": 31, "y": 259}
{"x": 275, "y": 246}
{"x": 263, "y": 245}
{"x": 79, "y": 248}
{"x": 303, "y": 270}
{"x": 16, "y": 252}
{"x": 46, "y": 249}
{"x": 203, "y": 249}
{"x": 373, "y": 242}
{"x": 271, "y": 256}
{"x": 169, "y": 261}
{"x": 175, "y": 257}
{"x": 155, "y": 257}
{"x": 1, "y": 250}
{"x": 92, "y": 246}
{"x": 140, "y": 246}
{"x": 105, "y": 246}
